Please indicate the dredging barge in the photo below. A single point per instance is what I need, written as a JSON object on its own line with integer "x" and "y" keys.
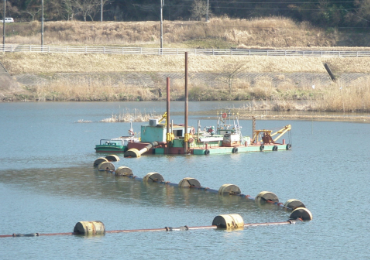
{"x": 170, "y": 138}
{"x": 226, "y": 138}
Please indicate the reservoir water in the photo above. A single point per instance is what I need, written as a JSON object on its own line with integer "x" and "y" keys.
{"x": 48, "y": 184}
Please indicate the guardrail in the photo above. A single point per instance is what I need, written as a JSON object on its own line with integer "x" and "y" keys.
{"x": 171, "y": 51}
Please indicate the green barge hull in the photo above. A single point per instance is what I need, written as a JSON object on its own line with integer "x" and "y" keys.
{"x": 228, "y": 150}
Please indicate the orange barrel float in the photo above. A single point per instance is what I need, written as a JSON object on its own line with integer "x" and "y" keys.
{"x": 133, "y": 153}
{"x": 301, "y": 213}
{"x": 293, "y": 204}
{"x": 153, "y": 177}
{"x": 189, "y": 183}
{"x": 99, "y": 161}
{"x": 229, "y": 189}
{"x": 89, "y": 228}
{"x": 112, "y": 158}
{"x": 123, "y": 171}
{"x": 106, "y": 166}
{"x": 266, "y": 196}
{"x": 229, "y": 221}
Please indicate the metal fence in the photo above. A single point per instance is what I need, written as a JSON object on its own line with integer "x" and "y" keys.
{"x": 172, "y": 51}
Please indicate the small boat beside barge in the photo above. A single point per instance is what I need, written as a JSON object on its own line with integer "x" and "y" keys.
{"x": 118, "y": 144}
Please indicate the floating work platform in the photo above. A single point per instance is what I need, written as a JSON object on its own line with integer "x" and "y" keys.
{"x": 169, "y": 138}
{"x": 225, "y": 138}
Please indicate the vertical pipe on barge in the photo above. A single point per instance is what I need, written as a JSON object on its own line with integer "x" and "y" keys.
{"x": 186, "y": 104}
{"x": 168, "y": 113}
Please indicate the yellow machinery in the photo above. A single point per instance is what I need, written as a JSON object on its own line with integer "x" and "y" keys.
{"x": 164, "y": 117}
{"x": 267, "y": 134}
{"x": 169, "y": 136}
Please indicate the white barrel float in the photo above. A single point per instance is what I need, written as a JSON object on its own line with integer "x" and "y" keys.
{"x": 230, "y": 221}
{"x": 99, "y": 161}
{"x": 293, "y": 204}
{"x": 112, "y": 158}
{"x": 123, "y": 171}
{"x": 189, "y": 183}
{"x": 106, "y": 166}
{"x": 229, "y": 189}
{"x": 133, "y": 152}
{"x": 153, "y": 177}
{"x": 89, "y": 228}
{"x": 267, "y": 196}
{"x": 301, "y": 213}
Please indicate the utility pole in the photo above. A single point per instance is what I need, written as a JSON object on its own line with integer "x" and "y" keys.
{"x": 101, "y": 10}
{"x": 162, "y": 3}
{"x": 207, "y": 11}
{"x": 42, "y": 23}
{"x": 4, "y": 24}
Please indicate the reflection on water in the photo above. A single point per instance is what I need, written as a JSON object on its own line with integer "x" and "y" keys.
{"x": 88, "y": 183}
{"x": 47, "y": 184}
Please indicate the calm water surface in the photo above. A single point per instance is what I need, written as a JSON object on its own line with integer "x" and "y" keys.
{"x": 47, "y": 184}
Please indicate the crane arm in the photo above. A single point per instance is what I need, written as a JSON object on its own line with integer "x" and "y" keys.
{"x": 164, "y": 117}
{"x": 282, "y": 131}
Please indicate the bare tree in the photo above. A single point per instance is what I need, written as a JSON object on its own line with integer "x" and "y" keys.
{"x": 363, "y": 12}
{"x": 69, "y": 8}
{"x": 89, "y": 8}
{"x": 228, "y": 73}
{"x": 33, "y": 11}
{"x": 198, "y": 9}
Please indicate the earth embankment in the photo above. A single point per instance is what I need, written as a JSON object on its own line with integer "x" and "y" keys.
{"x": 106, "y": 77}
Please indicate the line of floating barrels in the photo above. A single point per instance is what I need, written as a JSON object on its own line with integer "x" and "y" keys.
{"x": 94, "y": 228}
{"x": 228, "y": 221}
{"x": 299, "y": 210}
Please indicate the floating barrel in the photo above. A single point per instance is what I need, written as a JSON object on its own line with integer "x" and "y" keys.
{"x": 133, "y": 152}
{"x": 153, "y": 177}
{"x": 89, "y": 228}
{"x": 301, "y": 213}
{"x": 189, "y": 183}
{"x": 293, "y": 204}
{"x": 99, "y": 161}
{"x": 229, "y": 189}
{"x": 267, "y": 196}
{"x": 230, "y": 221}
{"x": 106, "y": 166}
{"x": 112, "y": 158}
{"x": 123, "y": 171}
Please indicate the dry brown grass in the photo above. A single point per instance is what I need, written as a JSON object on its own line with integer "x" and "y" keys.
{"x": 85, "y": 90}
{"x": 21, "y": 63}
{"x": 131, "y": 116}
{"x": 352, "y": 98}
{"x": 334, "y": 97}
{"x": 18, "y": 63}
{"x": 260, "y": 32}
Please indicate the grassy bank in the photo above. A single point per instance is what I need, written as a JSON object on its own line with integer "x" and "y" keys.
{"x": 218, "y": 33}
{"x": 273, "y": 32}
{"x": 279, "y": 80}
{"x": 99, "y": 77}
